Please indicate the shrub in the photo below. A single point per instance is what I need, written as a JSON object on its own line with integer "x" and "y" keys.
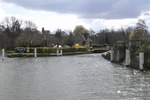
{"x": 82, "y": 49}
{"x": 146, "y": 49}
{"x": 53, "y": 50}
{"x": 31, "y": 50}
{"x": 69, "y": 50}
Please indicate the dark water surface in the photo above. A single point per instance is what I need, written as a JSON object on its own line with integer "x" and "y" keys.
{"x": 79, "y": 77}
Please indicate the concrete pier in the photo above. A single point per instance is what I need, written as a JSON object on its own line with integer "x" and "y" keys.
{"x": 35, "y": 52}
{"x": 111, "y": 55}
{"x": 60, "y": 52}
{"x": 57, "y": 52}
{"x": 3, "y": 54}
{"x": 127, "y": 60}
{"x": 141, "y": 62}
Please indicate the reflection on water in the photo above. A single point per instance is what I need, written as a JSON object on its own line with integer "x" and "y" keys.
{"x": 80, "y": 77}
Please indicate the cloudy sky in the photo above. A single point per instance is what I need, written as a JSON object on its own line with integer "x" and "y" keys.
{"x": 66, "y": 14}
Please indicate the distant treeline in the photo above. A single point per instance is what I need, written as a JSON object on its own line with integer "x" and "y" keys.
{"x": 109, "y": 36}
{"x": 15, "y": 32}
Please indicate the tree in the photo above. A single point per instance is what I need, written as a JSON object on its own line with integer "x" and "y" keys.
{"x": 128, "y": 32}
{"x": 70, "y": 40}
{"x": 11, "y": 30}
{"x": 91, "y": 32}
{"x": 141, "y": 30}
{"x": 45, "y": 38}
{"x": 80, "y": 29}
{"x": 29, "y": 37}
{"x": 106, "y": 39}
{"x": 58, "y": 34}
{"x": 12, "y": 23}
{"x": 30, "y": 24}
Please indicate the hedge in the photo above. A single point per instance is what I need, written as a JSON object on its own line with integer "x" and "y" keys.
{"x": 50, "y": 49}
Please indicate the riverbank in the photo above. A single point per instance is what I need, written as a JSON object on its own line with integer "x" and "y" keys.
{"x": 11, "y": 55}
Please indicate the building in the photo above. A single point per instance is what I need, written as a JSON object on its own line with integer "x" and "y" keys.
{"x": 83, "y": 39}
{"x": 45, "y": 31}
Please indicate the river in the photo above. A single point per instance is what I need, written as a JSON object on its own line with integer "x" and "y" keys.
{"x": 78, "y": 77}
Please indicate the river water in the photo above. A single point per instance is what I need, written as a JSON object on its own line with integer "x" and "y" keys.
{"x": 79, "y": 77}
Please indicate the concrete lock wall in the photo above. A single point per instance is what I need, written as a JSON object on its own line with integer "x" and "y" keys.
{"x": 119, "y": 51}
{"x": 128, "y": 53}
{"x": 134, "y": 45}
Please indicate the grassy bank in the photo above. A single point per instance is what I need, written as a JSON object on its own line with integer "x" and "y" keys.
{"x": 43, "y": 54}
{"x": 46, "y": 51}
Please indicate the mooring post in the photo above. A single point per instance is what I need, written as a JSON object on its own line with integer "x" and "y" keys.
{"x": 3, "y": 54}
{"x": 127, "y": 62}
{"x": 141, "y": 58}
{"x": 61, "y": 52}
{"x": 111, "y": 55}
{"x": 35, "y": 52}
{"x": 57, "y": 52}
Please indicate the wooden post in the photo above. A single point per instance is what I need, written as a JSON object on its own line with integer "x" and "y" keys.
{"x": 35, "y": 52}
{"x": 3, "y": 54}
{"x": 111, "y": 55}
{"x": 141, "y": 62}
{"x": 127, "y": 57}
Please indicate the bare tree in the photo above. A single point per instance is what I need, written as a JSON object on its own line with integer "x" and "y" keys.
{"x": 29, "y": 37}
{"x": 30, "y": 24}
{"x": 11, "y": 30}
{"x": 10, "y": 22}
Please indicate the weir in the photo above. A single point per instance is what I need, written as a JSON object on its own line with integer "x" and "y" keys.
{"x": 126, "y": 53}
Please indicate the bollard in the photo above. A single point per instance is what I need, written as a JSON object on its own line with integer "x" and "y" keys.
{"x": 3, "y": 54}
{"x": 57, "y": 52}
{"x": 111, "y": 55}
{"x": 35, "y": 52}
{"x": 141, "y": 62}
{"x": 61, "y": 52}
{"x": 127, "y": 57}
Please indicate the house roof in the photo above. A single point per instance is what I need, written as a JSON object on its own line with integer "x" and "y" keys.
{"x": 83, "y": 37}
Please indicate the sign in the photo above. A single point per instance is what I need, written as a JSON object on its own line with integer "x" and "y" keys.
{"x": 28, "y": 49}
{"x": 21, "y": 49}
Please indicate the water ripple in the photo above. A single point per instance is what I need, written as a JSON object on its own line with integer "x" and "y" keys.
{"x": 79, "y": 77}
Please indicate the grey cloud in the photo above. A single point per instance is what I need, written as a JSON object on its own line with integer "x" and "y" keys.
{"x": 105, "y": 9}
